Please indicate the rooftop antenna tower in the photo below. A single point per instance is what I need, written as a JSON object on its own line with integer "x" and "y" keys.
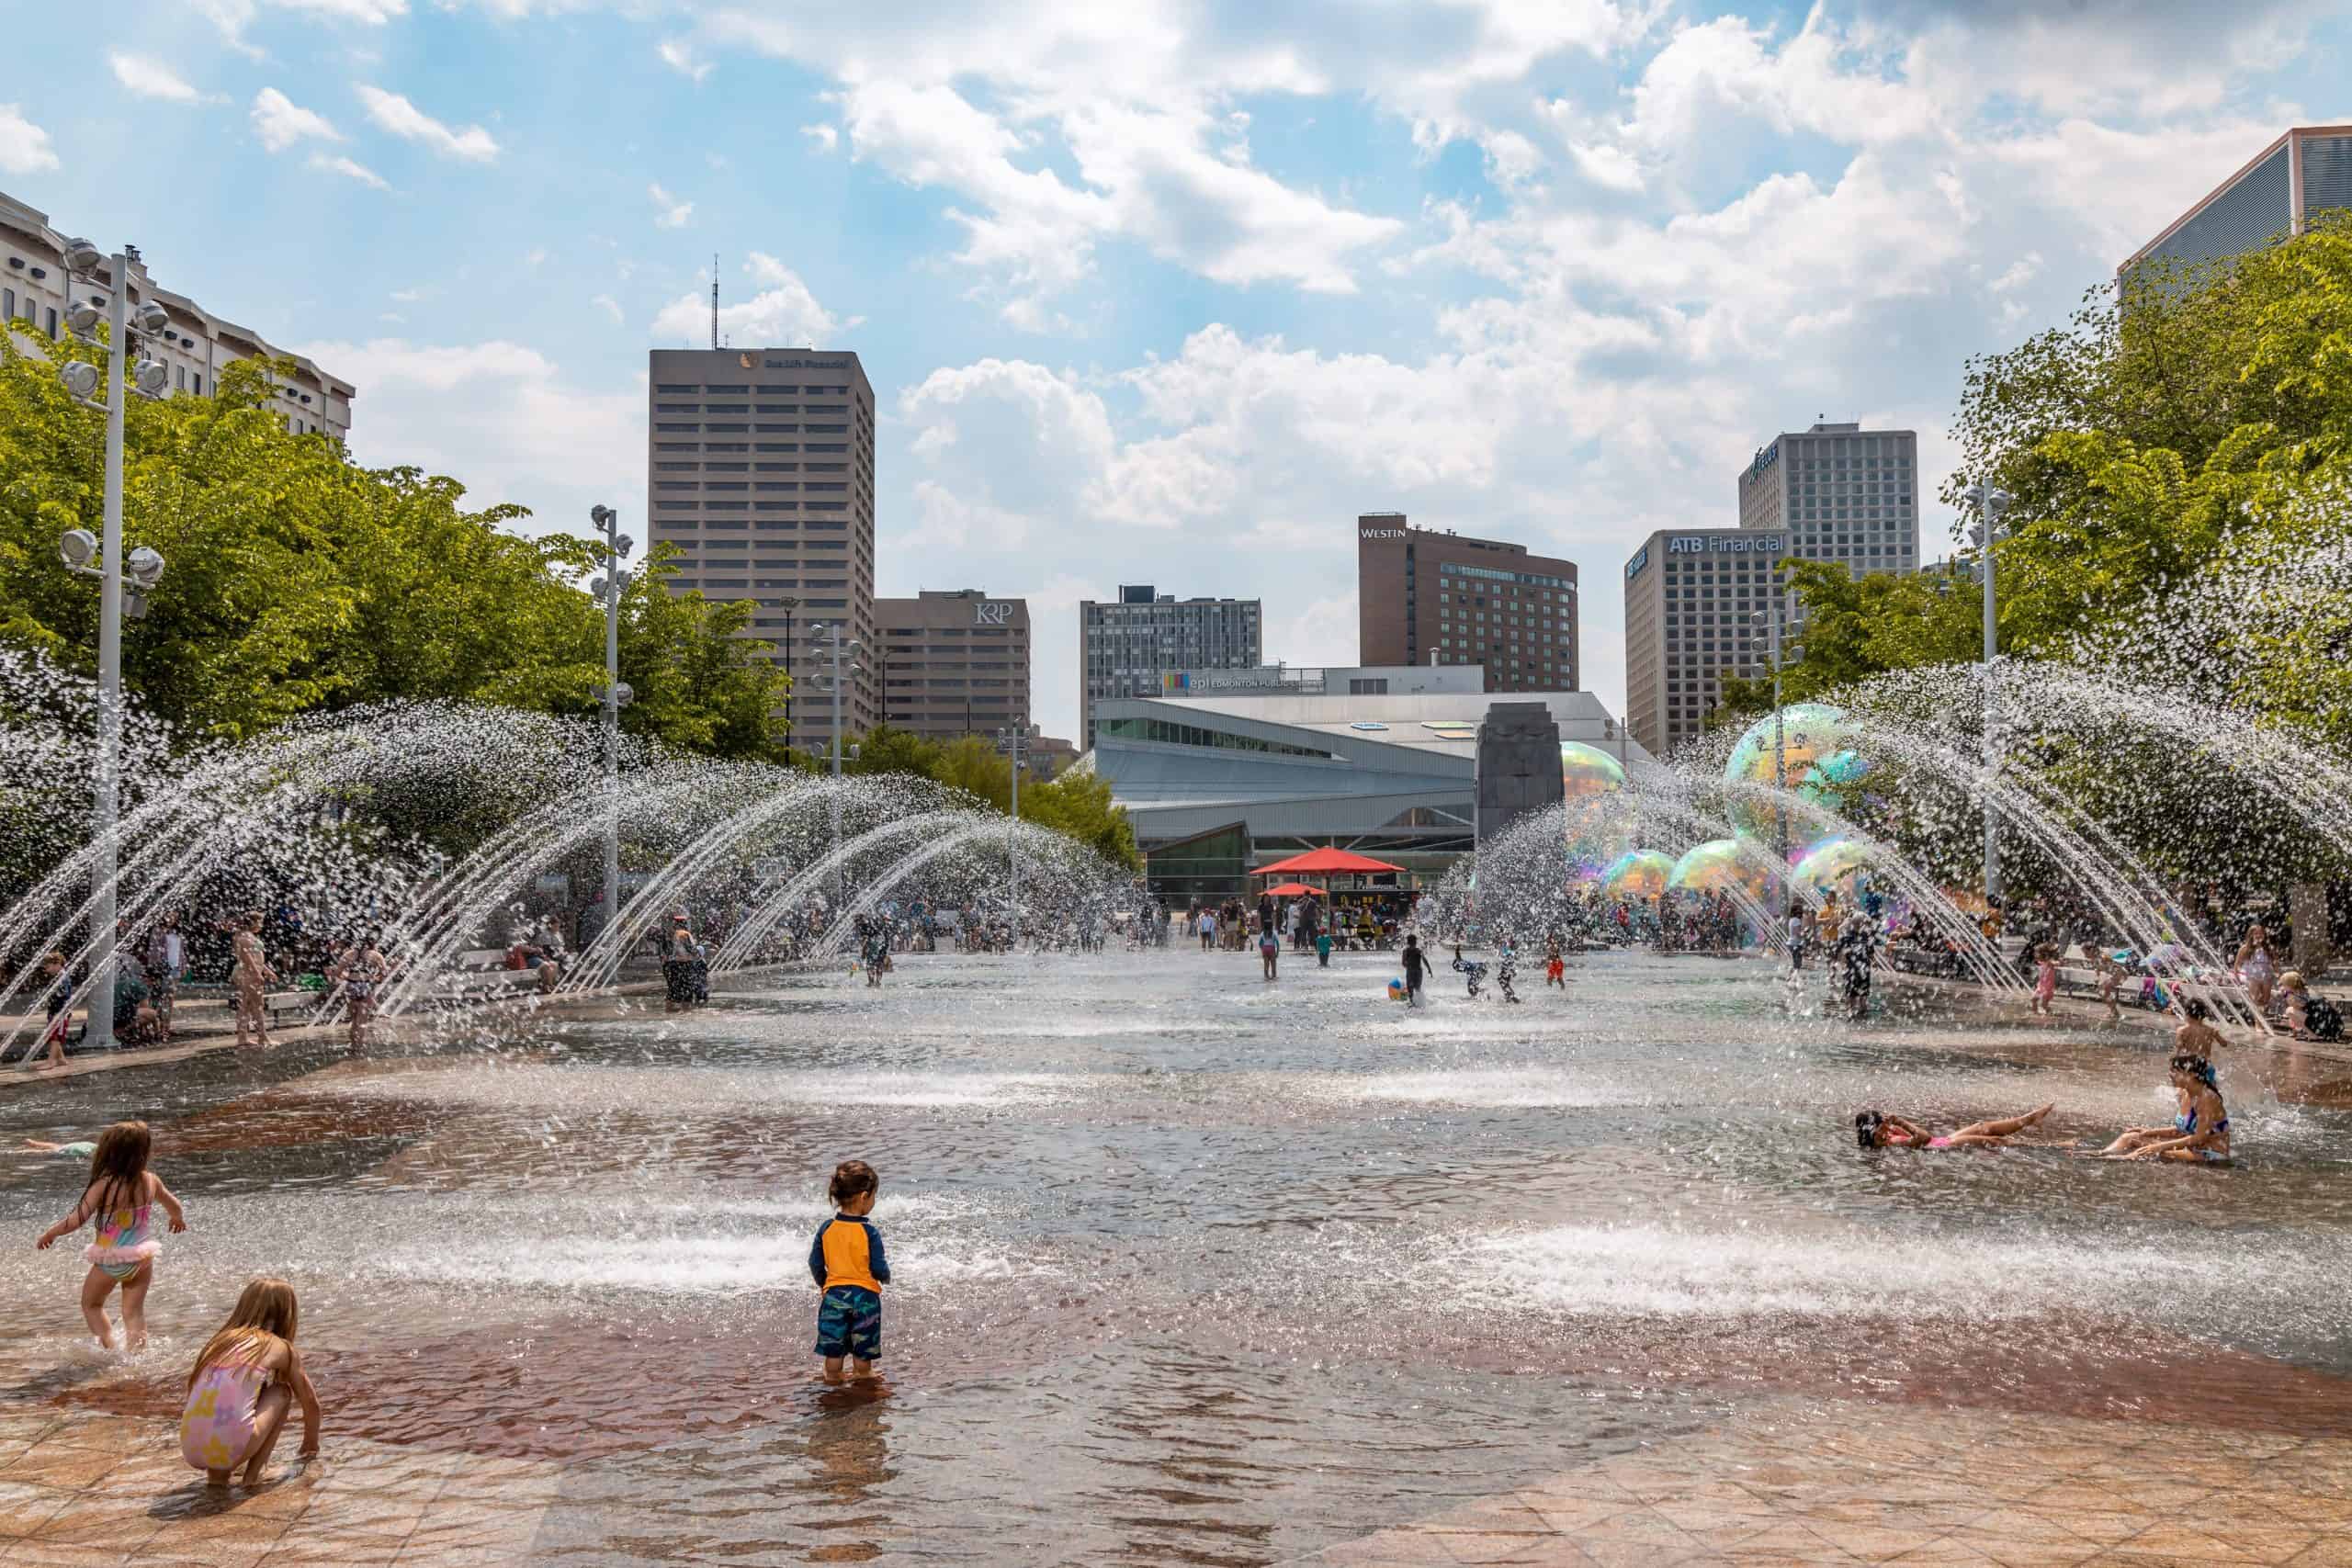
{"x": 714, "y": 299}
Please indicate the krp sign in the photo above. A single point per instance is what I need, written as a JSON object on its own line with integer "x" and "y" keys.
{"x": 991, "y": 613}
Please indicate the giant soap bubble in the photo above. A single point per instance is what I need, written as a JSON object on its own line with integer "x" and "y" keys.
{"x": 1839, "y": 863}
{"x": 1637, "y": 874}
{"x": 1586, "y": 772}
{"x": 1719, "y": 866}
{"x": 1817, "y": 748}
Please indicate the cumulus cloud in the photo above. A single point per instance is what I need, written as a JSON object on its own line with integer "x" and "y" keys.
{"x": 392, "y": 112}
{"x": 669, "y": 212}
{"x": 24, "y": 147}
{"x": 330, "y": 164}
{"x": 233, "y": 16}
{"x": 280, "y": 122}
{"x": 151, "y": 78}
{"x": 678, "y": 55}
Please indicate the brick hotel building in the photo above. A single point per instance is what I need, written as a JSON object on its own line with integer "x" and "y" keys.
{"x": 1427, "y": 596}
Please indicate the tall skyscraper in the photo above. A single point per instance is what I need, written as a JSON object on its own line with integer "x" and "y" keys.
{"x": 954, "y": 662}
{"x": 2306, "y": 171}
{"x": 1424, "y": 594}
{"x": 1840, "y": 493}
{"x": 194, "y": 348}
{"x": 1692, "y": 596}
{"x": 762, "y": 469}
{"x": 1129, "y": 644}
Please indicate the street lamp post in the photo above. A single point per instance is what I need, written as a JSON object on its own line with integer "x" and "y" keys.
{"x": 1772, "y": 622}
{"x": 1991, "y": 503}
{"x": 787, "y": 603}
{"x": 617, "y": 695}
{"x": 1015, "y": 744}
{"x": 836, "y": 649}
{"x": 82, "y": 381}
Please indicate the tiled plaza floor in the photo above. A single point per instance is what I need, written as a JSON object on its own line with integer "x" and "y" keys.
{"x": 1789, "y": 1484}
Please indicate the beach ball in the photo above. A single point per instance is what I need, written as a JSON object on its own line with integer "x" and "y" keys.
{"x": 1397, "y": 990}
{"x": 1837, "y": 862}
{"x": 1637, "y": 874}
{"x": 1719, "y": 866}
{"x": 1817, "y": 749}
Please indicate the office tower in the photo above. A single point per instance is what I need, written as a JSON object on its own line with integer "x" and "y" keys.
{"x": 194, "y": 348}
{"x": 954, "y": 662}
{"x": 1424, "y": 595}
{"x": 1131, "y": 644}
{"x": 2306, "y": 171}
{"x": 1840, "y": 493}
{"x": 762, "y": 470}
{"x": 1691, "y": 600}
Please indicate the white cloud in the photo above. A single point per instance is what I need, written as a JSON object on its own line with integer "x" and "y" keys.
{"x": 404, "y": 120}
{"x": 824, "y": 137}
{"x": 783, "y": 314}
{"x": 350, "y": 170}
{"x": 408, "y": 296}
{"x": 669, "y": 212}
{"x": 530, "y": 434}
{"x": 679, "y": 56}
{"x": 233, "y": 16}
{"x": 24, "y": 146}
{"x": 151, "y": 78}
{"x": 280, "y": 122}
{"x": 610, "y": 306}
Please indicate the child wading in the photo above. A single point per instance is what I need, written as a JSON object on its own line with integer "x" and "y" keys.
{"x": 118, "y": 1196}
{"x": 847, "y": 1262}
{"x": 247, "y": 1376}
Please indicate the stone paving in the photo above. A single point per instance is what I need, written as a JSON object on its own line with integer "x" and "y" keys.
{"x": 1782, "y": 1483}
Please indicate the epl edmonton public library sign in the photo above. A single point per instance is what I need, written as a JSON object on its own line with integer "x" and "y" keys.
{"x": 1703, "y": 544}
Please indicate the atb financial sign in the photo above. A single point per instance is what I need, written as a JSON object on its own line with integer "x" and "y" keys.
{"x": 1710, "y": 544}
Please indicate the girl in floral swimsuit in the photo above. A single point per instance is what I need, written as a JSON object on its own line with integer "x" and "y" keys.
{"x": 1873, "y": 1131}
{"x": 244, "y": 1383}
{"x": 120, "y": 1196}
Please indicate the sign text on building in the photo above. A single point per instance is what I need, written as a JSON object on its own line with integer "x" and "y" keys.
{"x": 1722, "y": 544}
{"x": 1640, "y": 559}
{"x": 1764, "y": 459}
{"x": 991, "y": 613}
{"x": 1380, "y": 533}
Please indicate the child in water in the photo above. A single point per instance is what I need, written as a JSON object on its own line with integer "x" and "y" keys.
{"x": 2110, "y": 975}
{"x": 244, "y": 1380}
{"x": 1472, "y": 974}
{"x": 2045, "y": 980}
{"x": 1556, "y": 968}
{"x": 848, "y": 1265}
{"x": 118, "y": 1195}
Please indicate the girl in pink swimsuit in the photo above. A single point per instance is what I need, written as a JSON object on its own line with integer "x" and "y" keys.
{"x": 1873, "y": 1131}
{"x": 242, "y": 1385}
{"x": 120, "y": 1196}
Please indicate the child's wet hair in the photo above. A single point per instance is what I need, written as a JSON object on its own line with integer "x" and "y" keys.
{"x": 119, "y": 1164}
{"x": 853, "y": 1178}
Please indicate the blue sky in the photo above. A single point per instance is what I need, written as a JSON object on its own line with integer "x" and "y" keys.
{"x": 1165, "y": 291}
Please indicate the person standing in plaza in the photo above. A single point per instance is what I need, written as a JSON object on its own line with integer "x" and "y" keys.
{"x": 1269, "y": 939}
{"x": 249, "y": 977}
{"x": 1416, "y": 965}
{"x": 166, "y": 958}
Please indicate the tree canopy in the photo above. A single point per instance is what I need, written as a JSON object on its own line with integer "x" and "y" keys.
{"x": 297, "y": 581}
{"x": 1076, "y": 804}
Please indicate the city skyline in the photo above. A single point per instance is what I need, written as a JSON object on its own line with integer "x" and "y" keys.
{"x": 1166, "y": 299}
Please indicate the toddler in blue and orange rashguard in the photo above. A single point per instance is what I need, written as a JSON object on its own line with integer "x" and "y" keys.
{"x": 848, "y": 1264}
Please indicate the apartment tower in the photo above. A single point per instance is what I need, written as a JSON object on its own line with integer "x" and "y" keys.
{"x": 1697, "y": 606}
{"x": 2307, "y": 171}
{"x": 762, "y": 471}
{"x": 1130, "y": 646}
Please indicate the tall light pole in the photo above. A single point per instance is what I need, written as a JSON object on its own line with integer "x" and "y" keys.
{"x": 609, "y": 587}
{"x": 1990, "y": 501}
{"x": 1767, "y": 618}
{"x": 788, "y": 605}
{"x": 1015, "y": 744}
{"x": 82, "y": 380}
{"x": 836, "y": 649}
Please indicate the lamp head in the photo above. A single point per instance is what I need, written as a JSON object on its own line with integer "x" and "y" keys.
{"x": 77, "y": 548}
{"x": 623, "y": 694}
{"x": 596, "y": 588}
{"x": 153, "y": 378}
{"x": 622, "y": 545}
{"x": 150, "y": 317}
{"x": 145, "y": 566}
{"x": 601, "y": 515}
{"x": 81, "y": 256}
{"x": 80, "y": 379}
{"x": 82, "y": 318}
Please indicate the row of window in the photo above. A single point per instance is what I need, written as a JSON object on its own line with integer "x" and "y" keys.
{"x": 1173, "y": 734}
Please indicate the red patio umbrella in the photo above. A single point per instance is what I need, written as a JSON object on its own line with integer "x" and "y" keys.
{"x": 1296, "y": 890}
{"x": 1323, "y": 863}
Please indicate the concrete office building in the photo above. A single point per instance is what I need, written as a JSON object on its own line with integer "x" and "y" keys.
{"x": 762, "y": 470}
{"x": 195, "y": 347}
{"x": 1691, "y": 596}
{"x": 1840, "y": 493}
{"x": 2307, "y": 170}
{"x": 954, "y": 662}
{"x": 1128, "y": 647}
{"x": 1425, "y": 595}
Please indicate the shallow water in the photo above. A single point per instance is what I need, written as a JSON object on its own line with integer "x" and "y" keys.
{"x": 1190, "y": 1268}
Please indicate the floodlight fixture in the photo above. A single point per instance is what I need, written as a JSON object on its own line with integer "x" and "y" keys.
{"x": 78, "y": 548}
{"x": 83, "y": 316}
{"x": 145, "y": 566}
{"x": 80, "y": 377}
{"x": 150, "y": 317}
{"x": 153, "y": 378}
{"x": 81, "y": 256}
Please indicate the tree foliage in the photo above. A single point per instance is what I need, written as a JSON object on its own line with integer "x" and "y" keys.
{"x": 298, "y": 581}
{"x": 1076, "y": 804}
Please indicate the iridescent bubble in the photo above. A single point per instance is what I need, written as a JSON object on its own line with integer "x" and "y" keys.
{"x": 1586, "y": 772}
{"x": 1719, "y": 866}
{"x": 1815, "y": 747}
{"x": 1838, "y": 863}
{"x": 1637, "y": 874}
